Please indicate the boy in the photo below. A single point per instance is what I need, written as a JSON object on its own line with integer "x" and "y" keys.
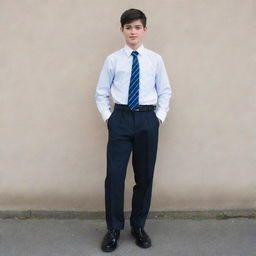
{"x": 138, "y": 83}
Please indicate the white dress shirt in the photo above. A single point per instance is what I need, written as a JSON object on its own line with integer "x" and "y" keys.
{"x": 115, "y": 75}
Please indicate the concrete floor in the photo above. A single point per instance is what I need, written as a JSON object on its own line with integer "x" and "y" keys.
{"x": 170, "y": 237}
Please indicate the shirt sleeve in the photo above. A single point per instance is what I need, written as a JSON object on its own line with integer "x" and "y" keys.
{"x": 103, "y": 89}
{"x": 163, "y": 89}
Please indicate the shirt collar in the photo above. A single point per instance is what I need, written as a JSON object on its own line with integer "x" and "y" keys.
{"x": 128, "y": 50}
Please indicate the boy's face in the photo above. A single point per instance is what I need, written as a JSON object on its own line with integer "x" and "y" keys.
{"x": 133, "y": 33}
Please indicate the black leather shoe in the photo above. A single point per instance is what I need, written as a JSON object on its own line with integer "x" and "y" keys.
{"x": 109, "y": 242}
{"x": 142, "y": 238}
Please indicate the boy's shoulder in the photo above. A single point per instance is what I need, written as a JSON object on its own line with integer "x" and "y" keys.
{"x": 152, "y": 53}
{"x": 115, "y": 53}
{"x": 154, "y": 57}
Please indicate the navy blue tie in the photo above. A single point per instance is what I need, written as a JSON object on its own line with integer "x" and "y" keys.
{"x": 133, "y": 97}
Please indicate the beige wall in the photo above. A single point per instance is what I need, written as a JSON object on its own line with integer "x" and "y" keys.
{"x": 53, "y": 140}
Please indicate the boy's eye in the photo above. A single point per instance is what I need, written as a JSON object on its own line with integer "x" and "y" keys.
{"x": 135, "y": 27}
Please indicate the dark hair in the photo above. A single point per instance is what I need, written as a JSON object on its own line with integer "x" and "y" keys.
{"x": 133, "y": 14}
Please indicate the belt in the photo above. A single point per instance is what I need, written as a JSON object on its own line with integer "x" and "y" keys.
{"x": 139, "y": 108}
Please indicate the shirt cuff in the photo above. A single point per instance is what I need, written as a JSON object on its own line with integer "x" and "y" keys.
{"x": 106, "y": 115}
{"x": 161, "y": 115}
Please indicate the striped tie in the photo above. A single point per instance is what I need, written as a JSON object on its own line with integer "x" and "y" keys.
{"x": 133, "y": 98}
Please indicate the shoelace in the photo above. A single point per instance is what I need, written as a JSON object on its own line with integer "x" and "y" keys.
{"x": 112, "y": 234}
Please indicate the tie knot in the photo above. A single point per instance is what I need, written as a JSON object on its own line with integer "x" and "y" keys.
{"x": 135, "y": 53}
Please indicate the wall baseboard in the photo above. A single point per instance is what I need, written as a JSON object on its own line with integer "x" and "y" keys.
{"x": 193, "y": 214}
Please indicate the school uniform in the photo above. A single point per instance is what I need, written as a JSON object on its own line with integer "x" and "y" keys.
{"x": 131, "y": 128}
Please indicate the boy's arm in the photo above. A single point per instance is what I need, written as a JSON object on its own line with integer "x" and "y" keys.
{"x": 164, "y": 91}
{"x": 103, "y": 89}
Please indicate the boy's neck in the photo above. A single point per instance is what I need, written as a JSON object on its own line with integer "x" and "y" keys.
{"x": 134, "y": 47}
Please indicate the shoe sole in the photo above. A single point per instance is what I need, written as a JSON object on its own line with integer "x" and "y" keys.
{"x": 108, "y": 250}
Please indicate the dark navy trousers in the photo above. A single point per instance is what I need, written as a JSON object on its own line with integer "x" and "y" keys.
{"x": 136, "y": 132}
